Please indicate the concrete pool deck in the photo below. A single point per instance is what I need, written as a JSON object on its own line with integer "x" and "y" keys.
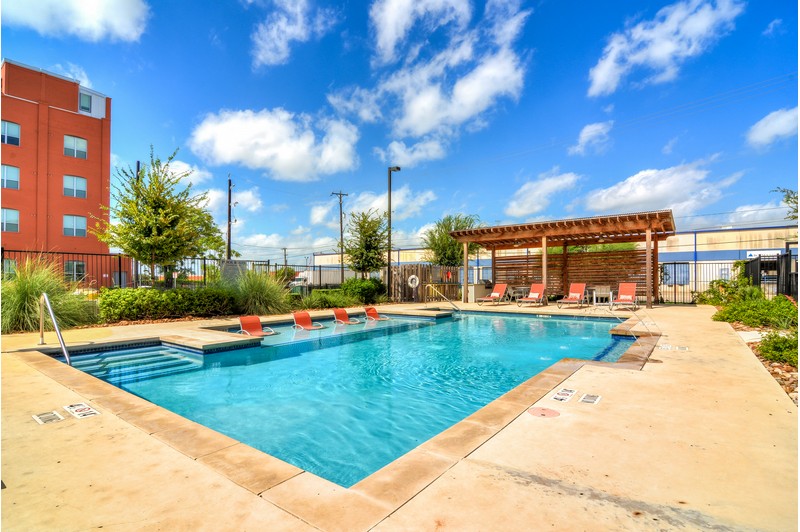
{"x": 702, "y": 437}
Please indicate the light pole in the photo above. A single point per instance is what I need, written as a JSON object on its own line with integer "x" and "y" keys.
{"x": 341, "y": 236}
{"x": 389, "y": 253}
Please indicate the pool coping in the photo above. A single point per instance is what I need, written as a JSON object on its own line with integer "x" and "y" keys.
{"x": 311, "y": 498}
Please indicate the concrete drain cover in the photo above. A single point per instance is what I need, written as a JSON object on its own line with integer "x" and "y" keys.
{"x": 48, "y": 417}
{"x": 542, "y": 412}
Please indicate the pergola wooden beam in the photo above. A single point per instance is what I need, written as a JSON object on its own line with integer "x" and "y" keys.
{"x": 648, "y": 227}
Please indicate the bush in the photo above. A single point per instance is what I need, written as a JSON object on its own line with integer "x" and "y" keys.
{"x": 20, "y": 298}
{"x": 258, "y": 293}
{"x": 780, "y": 347}
{"x": 778, "y": 312}
{"x": 328, "y": 299}
{"x": 368, "y": 291}
{"x": 117, "y": 304}
{"x": 722, "y": 292}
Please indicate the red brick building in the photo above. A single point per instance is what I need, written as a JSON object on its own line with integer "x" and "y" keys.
{"x": 56, "y": 166}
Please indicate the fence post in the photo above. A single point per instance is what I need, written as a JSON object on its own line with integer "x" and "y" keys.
{"x": 205, "y": 283}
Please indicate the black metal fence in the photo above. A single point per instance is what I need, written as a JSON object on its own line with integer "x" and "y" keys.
{"x": 774, "y": 274}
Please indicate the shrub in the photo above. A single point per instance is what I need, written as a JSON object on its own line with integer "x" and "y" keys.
{"x": 258, "y": 293}
{"x": 724, "y": 291}
{"x": 778, "y": 312}
{"x": 118, "y": 304}
{"x": 20, "y": 298}
{"x": 364, "y": 290}
{"x": 328, "y": 299}
{"x": 780, "y": 347}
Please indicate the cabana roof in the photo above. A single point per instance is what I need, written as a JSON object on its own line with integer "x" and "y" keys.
{"x": 612, "y": 228}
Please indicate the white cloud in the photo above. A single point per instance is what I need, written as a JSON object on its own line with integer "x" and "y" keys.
{"x": 678, "y": 32}
{"x": 194, "y": 175}
{"x": 450, "y": 78}
{"x": 759, "y": 213}
{"x": 409, "y": 156}
{"x": 775, "y": 126}
{"x": 323, "y": 214}
{"x": 406, "y": 203}
{"x": 71, "y": 70}
{"x": 292, "y": 21}
{"x": 249, "y": 200}
{"x": 121, "y": 20}
{"x": 669, "y": 146}
{"x": 280, "y": 142}
{"x": 392, "y": 20}
{"x": 685, "y": 189}
{"x": 534, "y": 196}
{"x": 773, "y": 27}
{"x": 593, "y": 136}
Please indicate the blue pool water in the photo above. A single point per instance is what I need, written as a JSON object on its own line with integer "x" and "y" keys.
{"x": 344, "y": 406}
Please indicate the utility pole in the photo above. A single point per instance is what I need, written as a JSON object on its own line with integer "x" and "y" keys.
{"x": 341, "y": 235}
{"x": 228, "y": 247}
{"x": 389, "y": 252}
{"x": 285, "y": 263}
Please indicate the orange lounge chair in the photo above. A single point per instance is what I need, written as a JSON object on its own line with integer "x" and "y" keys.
{"x": 251, "y": 326}
{"x": 577, "y": 294}
{"x": 626, "y": 297}
{"x": 535, "y": 295}
{"x": 372, "y": 314}
{"x": 498, "y": 294}
{"x": 341, "y": 317}
{"x": 302, "y": 320}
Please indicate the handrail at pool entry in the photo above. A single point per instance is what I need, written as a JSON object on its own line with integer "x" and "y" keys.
{"x": 45, "y": 301}
{"x": 445, "y": 298}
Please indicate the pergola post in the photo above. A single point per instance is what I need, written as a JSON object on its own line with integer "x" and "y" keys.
{"x": 494, "y": 268}
{"x": 544, "y": 262}
{"x": 465, "y": 285}
{"x": 656, "y": 282}
{"x": 564, "y": 269}
{"x": 649, "y": 267}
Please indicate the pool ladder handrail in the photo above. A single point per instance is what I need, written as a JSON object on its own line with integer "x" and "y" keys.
{"x": 460, "y": 313}
{"x": 44, "y": 301}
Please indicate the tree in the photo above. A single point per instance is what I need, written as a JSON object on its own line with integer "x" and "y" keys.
{"x": 443, "y": 249}
{"x": 366, "y": 244}
{"x": 790, "y": 199}
{"x": 156, "y": 220}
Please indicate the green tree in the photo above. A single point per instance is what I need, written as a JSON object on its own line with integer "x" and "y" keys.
{"x": 366, "y": 244}
{"x": 156, "y": 220}
{"x": 790, "y": 199}
{"x": 441, "y": 248}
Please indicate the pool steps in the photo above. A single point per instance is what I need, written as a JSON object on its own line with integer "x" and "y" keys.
{"x": 115, "y": 366}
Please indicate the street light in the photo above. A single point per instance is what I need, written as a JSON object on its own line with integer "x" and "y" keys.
{"x": 389, "y": 253}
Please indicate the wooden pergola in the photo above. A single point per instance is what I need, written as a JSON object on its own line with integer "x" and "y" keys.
{"x": 647, "y": 227}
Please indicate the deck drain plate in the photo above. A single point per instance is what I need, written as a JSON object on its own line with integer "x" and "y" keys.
{"x": 542, "y": 412}
{"x": 80, "y": 410}
{"x": 591, "y": 399}
{"x": 48, "y": 417}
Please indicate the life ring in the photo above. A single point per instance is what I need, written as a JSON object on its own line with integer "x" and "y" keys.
{"x": 413, "y": 281}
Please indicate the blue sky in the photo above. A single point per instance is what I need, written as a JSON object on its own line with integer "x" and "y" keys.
{"x": 511, "y": 111}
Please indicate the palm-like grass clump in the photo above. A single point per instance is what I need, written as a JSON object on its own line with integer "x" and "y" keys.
{"x": 20, "y": 298}
{"x": 258, "y": 293}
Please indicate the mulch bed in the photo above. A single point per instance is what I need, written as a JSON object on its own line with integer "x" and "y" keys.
{"x": 784, "y": 374}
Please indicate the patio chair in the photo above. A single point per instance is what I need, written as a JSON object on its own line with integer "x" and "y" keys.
{"x": 498, "y": 294}
{"x": 535, "y": 295}
{"x": 577, "y": 294}
{"x": 372, "y": 314}
{"x": 302, "y": 320}
{"x": 626, "y": 297}
{"x": 342, "y": 318}
{"x": 251, "y": 326}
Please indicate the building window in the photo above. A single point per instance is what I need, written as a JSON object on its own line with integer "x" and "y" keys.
{"x": 10, "y": 177}
{"x": 74, "y": 270}
{"x": 74, "y": 186}
{"x": 10, "y": 133}
{"x": 10, "y": 221}
{"x": 9, "y": 268}
{"x": 86, "y": 102}
{"x": 74, "y": 225}
{"x": 75, "y": 147}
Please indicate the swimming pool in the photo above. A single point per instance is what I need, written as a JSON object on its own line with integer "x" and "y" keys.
{"x": 344, "y": 406}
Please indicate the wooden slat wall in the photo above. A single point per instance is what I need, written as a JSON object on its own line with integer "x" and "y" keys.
{"x": 594, "y": 268}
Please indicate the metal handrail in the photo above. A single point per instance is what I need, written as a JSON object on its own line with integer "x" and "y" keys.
{"x": 45, "y": 301}
{"x": 430, "y": 286}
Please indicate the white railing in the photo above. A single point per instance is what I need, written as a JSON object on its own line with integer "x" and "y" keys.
{"x": 44, "y": 301}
